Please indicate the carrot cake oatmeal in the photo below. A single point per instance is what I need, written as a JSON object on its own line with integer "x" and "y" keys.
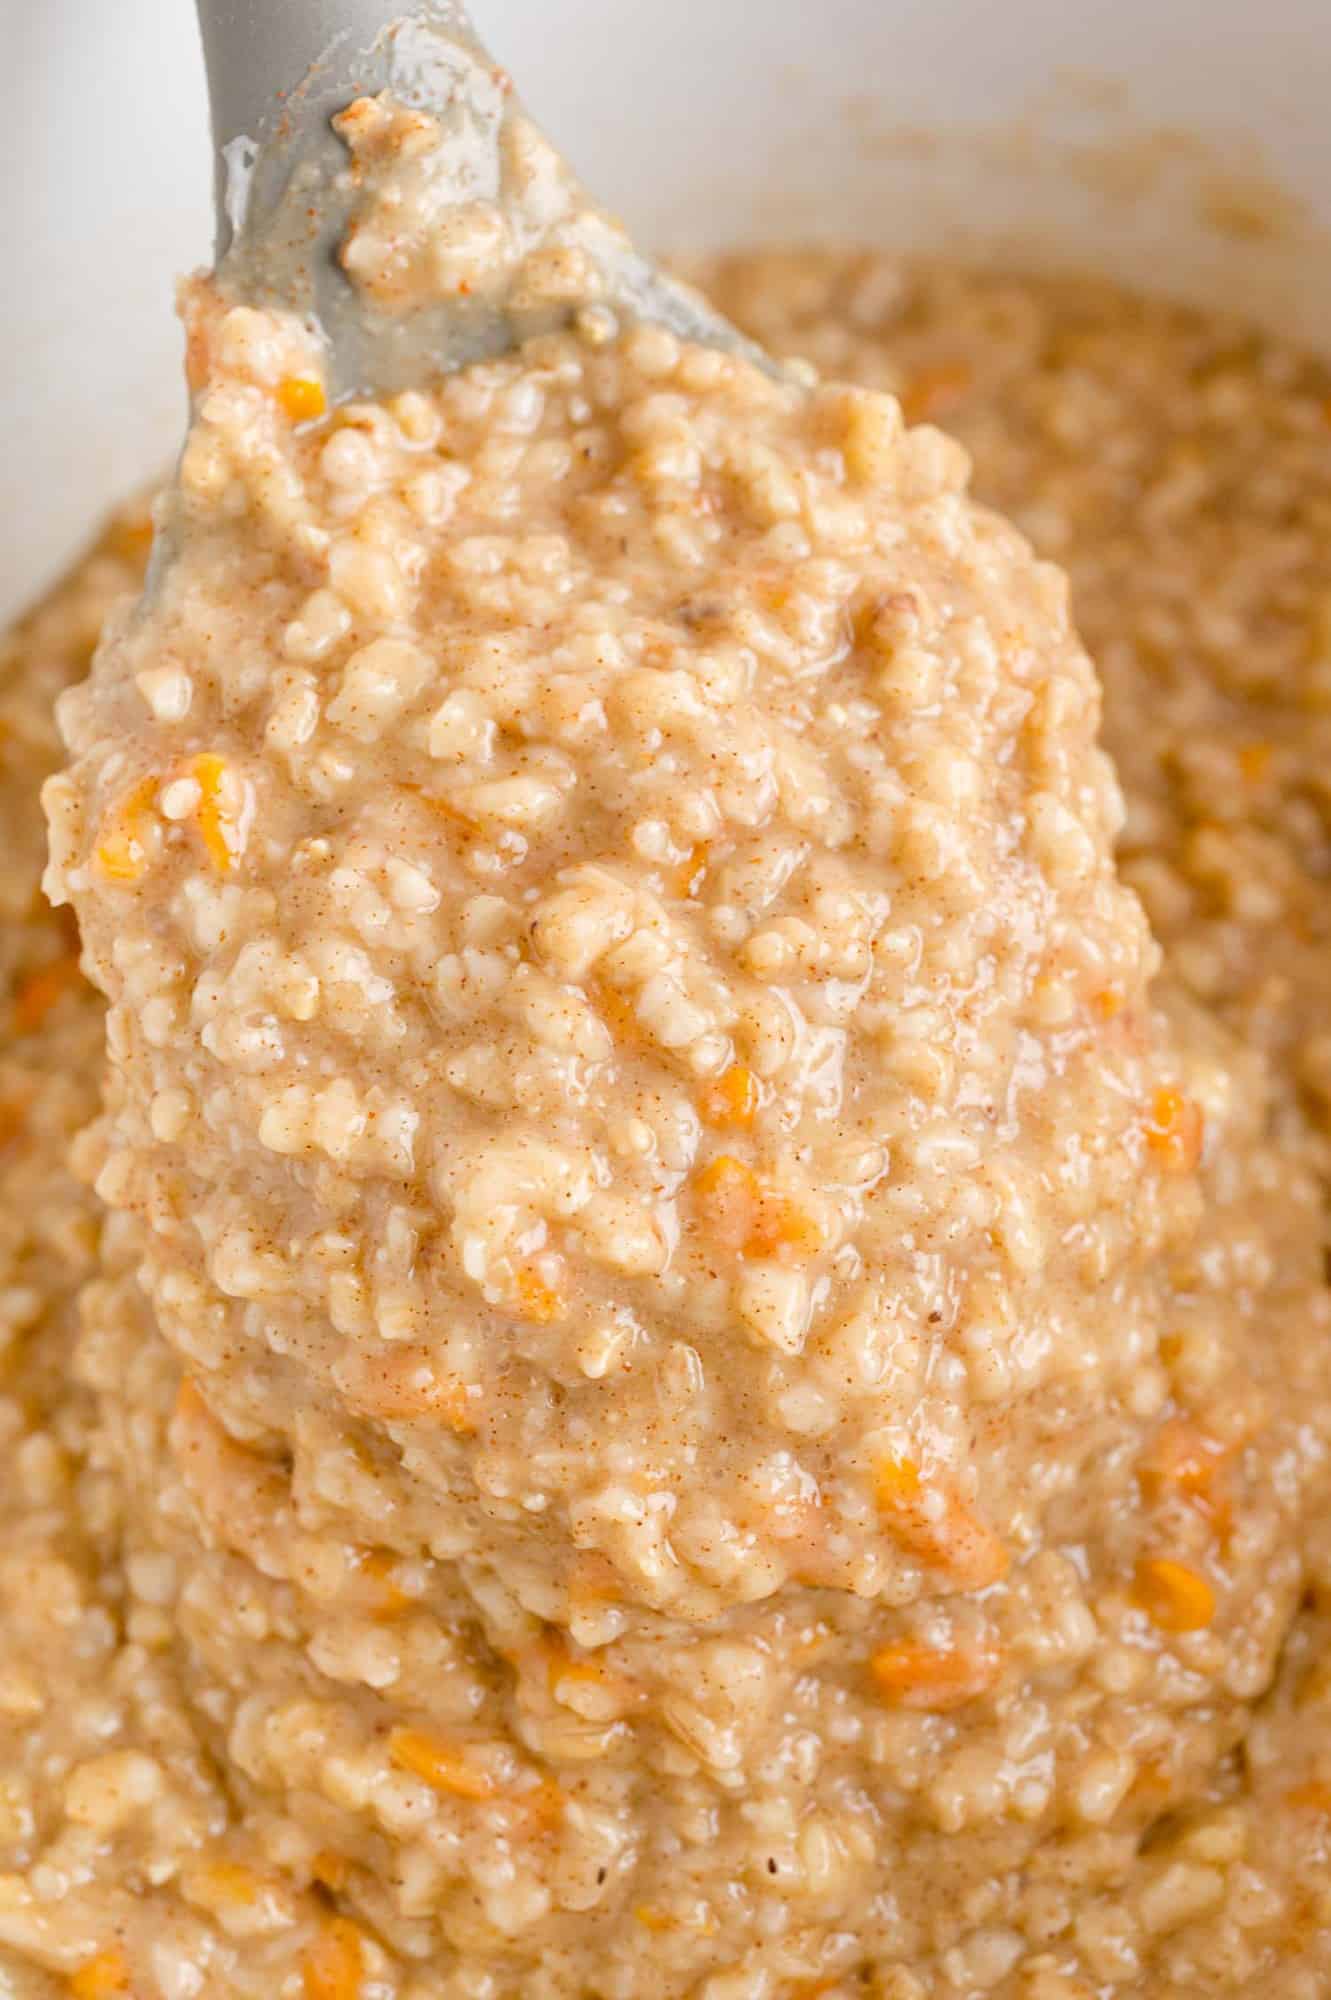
{"x": 670, "y": 1342}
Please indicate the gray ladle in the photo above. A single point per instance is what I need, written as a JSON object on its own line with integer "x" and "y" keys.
{"x": 277, "y": 72}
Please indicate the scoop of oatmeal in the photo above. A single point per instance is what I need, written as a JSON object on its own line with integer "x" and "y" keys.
{"x": 603, "y": 873}
{"x": 677, "y": 1338}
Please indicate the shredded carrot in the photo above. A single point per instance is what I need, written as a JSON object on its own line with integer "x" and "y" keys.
{"x": 751, "y": 1220}
{"x": 1175, "y": 1130}
{"x": 536, "y": 1300}
{"x": 302, "y": 398}
{"x": 728, "y": 1194}
{"x": 732, "y": 1099}
{"x": 689, "y": 874}
{"x": 1153, "y": 1777}
{"x": 776, "y": 592}
{"x": 232, "y": 1882}
{"x": 221, "y": 824}
{"x": 223, "y": 1884}
{"x": 1255, "y": 761}
{"x": 190, "y": 1406}
{"x": 1182, "y": 1459}
{"x": 102, "y": 1976}
{"x": 122, "y": 841}
{"x": 1173, "y": 1596}
{"x": 653, "y": 1919}
{"x": 897, "y": 1485}
{"x": 330, "y": 1869}
{"x": 1108, "y": 1003}
{"x": 439, "y": 1764}
{"x": 378, "y": 1566}
{"x": 41, "y": 990}
{"x": 1310, "y": 1797}
{"x": 786, "y": 1230}
{"x": 951, "y": 1536}
{"x": 334, "y": 1965}
{"x": 619, "y": 1016}
{"x": 910, "y": 1674}
{"x": 444, "y": 809}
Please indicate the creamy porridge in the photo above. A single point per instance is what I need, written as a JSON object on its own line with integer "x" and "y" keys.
{"x": 701, "y": 1379}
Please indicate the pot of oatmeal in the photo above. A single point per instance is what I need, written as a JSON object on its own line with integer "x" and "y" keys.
{"x": 1045, "y": 130}
{"x": 665, "y": 1326}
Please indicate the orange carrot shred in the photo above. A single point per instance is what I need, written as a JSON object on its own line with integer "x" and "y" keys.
{"x": 732, "y": 1098}
{"x": 1174, "y": 1596}
{"x": 102, "y": 1976}
{"x": 1175, "y": 1130}
{"x": 440, "y": 1764}
{"x": 334, "y": 1965}
{"x": 302, "y": 398}
{"x": 911, "y": 1674}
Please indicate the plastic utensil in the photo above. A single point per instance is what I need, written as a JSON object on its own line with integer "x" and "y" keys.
{"x": 278, "y": 70}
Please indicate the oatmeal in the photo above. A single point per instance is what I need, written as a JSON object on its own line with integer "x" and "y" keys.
{"x": 702, "y": 1379}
